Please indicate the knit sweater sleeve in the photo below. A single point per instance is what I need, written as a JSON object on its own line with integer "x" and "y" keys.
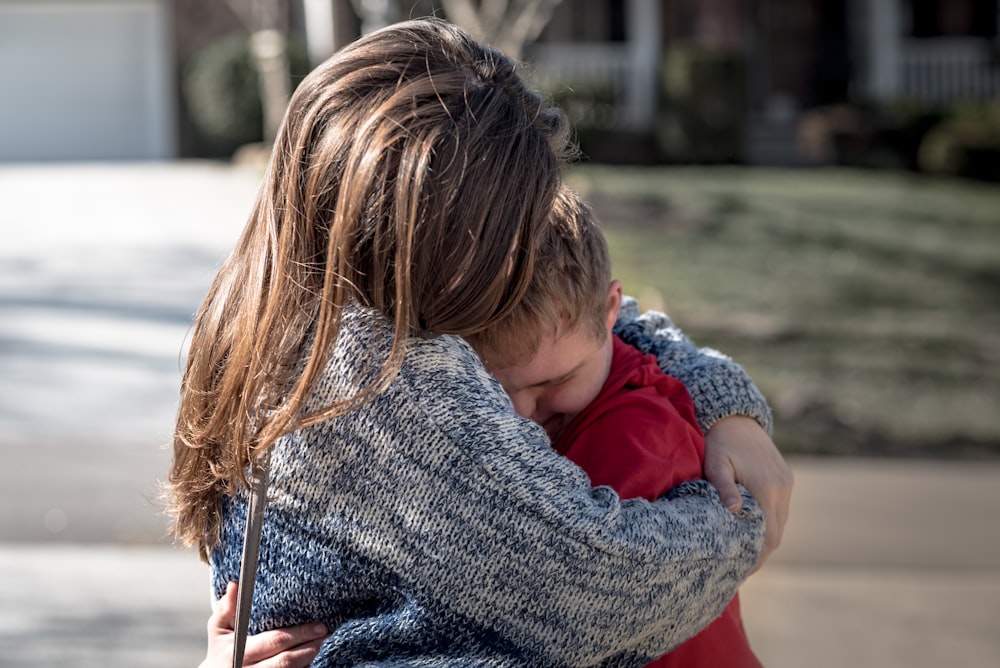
{"x": 719, "y": 387}
{"x": 433, "y": 526}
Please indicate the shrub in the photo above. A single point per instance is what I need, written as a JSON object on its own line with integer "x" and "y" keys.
{"x": 966, "y": 143}
{"x": 904, "y": 126}
{"x": 702, "y": 108}
{"x": 219, "y": 85}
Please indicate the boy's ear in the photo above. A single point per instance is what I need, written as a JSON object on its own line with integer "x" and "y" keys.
{"x": 614, "y": 304}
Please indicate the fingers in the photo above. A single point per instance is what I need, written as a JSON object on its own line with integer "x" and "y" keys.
{"x": 223, "y": 618}
{"x": 297, "y": 657}
{"x": 290, "y": 647}
{"x": 220, "y": 630}
{"x": 737, "y": 450}
{"x": 285, "y": 648}
{"x": 720, "y": 473}
{"x": 773, "y": 494}
{"x": 778, "y": 505}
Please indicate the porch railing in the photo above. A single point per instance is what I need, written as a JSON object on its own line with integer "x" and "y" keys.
{"x": 946, "y": 70}
{"x": 599, "y": 71}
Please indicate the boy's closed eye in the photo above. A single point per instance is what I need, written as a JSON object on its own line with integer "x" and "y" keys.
{"x": 553, "y": 382}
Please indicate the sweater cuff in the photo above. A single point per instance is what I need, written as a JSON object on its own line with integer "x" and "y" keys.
{"x": 719, "y": 397}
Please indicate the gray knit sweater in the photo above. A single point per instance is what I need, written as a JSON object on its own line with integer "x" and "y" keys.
{"x": 434, "y": 526}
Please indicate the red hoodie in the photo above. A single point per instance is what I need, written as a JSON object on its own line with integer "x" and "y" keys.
{"x": 640, "y": 437}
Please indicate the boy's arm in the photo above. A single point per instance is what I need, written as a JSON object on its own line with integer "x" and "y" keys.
{"x": 719, "y": 386}
{"x": 731, "y": 410}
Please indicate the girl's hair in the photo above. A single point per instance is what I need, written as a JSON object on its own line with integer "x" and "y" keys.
{"x": 413, "y": 174}
{"x": 568, "y": 289}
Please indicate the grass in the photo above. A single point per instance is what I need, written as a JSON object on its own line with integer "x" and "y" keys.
{"x": 866, "y": 305}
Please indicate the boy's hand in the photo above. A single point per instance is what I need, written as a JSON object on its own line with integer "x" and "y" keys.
{"x": 293, "y": 647}
{"x": 738, "y": 450}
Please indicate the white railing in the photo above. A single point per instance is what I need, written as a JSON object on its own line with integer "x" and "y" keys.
{"x": 587, "y": 66}
{"x": 945, "y": 70}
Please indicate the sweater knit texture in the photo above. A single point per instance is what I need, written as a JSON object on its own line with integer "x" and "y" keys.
{"x": 433, "y": 526}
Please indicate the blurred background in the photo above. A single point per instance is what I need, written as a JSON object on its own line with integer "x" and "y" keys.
{"x": 810, "y": 186}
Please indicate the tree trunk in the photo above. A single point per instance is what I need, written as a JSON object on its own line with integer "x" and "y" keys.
{"x": 504, "y": 24}
{"x": 270, "y": 57}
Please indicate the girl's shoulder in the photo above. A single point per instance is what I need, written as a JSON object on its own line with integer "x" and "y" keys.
{"x": 442, "y": 370}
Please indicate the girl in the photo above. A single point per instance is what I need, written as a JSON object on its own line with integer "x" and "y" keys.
{"x": 411, "y": 510}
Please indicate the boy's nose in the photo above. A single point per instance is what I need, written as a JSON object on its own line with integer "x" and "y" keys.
{"x": 524, "y": 404}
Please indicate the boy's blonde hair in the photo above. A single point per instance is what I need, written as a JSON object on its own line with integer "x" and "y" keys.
{"x": 568, "y": 290}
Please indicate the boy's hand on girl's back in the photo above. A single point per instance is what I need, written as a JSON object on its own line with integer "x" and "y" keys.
{"x": 738, "y": 450}
{"x": 292, "y": 647}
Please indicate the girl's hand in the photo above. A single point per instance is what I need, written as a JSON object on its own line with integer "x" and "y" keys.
{"x": 738, "y": 450}
{"x": 292, "y": 647}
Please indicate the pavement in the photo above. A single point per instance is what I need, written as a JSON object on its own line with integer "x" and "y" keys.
{"x": 885, "y": 563}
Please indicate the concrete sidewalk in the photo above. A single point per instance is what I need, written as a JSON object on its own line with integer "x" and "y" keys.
{"x": 885, "y": 563}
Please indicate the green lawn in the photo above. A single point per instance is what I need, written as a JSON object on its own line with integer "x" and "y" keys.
{"x": 866, "y": 305}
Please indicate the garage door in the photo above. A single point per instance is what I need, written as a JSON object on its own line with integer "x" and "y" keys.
{"x": 84, "y": 80}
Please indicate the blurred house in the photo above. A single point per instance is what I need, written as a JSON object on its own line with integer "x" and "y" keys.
{"x": 749, "y": 80}
{"x": 755, "y": 81}
{"x": 86, "y": 80}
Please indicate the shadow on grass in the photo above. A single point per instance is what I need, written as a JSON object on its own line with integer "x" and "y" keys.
{"x": 817, "y": 430}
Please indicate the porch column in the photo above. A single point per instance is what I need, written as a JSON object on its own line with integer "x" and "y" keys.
{"x": 320, "y": 29}
{"x": 883, "y": 41}
{"x": 643, "y": 34}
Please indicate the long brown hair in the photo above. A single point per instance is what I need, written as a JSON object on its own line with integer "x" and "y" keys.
{"x": 413, "y": 174}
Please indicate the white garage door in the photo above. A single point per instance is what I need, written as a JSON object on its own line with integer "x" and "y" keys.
{"x": 85, "y": 80}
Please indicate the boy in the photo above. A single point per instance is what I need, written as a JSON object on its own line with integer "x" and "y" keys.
{"x": 557, "y": 358}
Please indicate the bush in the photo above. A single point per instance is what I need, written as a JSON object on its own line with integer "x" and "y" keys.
{"x": 966, "y": 143}
{"x": 702, "y": 109}
{"x": 904, "y": 126}
{"x": 219, "y": 85}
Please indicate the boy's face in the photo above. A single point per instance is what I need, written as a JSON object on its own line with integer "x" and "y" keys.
{"x": 564, "y": 375}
